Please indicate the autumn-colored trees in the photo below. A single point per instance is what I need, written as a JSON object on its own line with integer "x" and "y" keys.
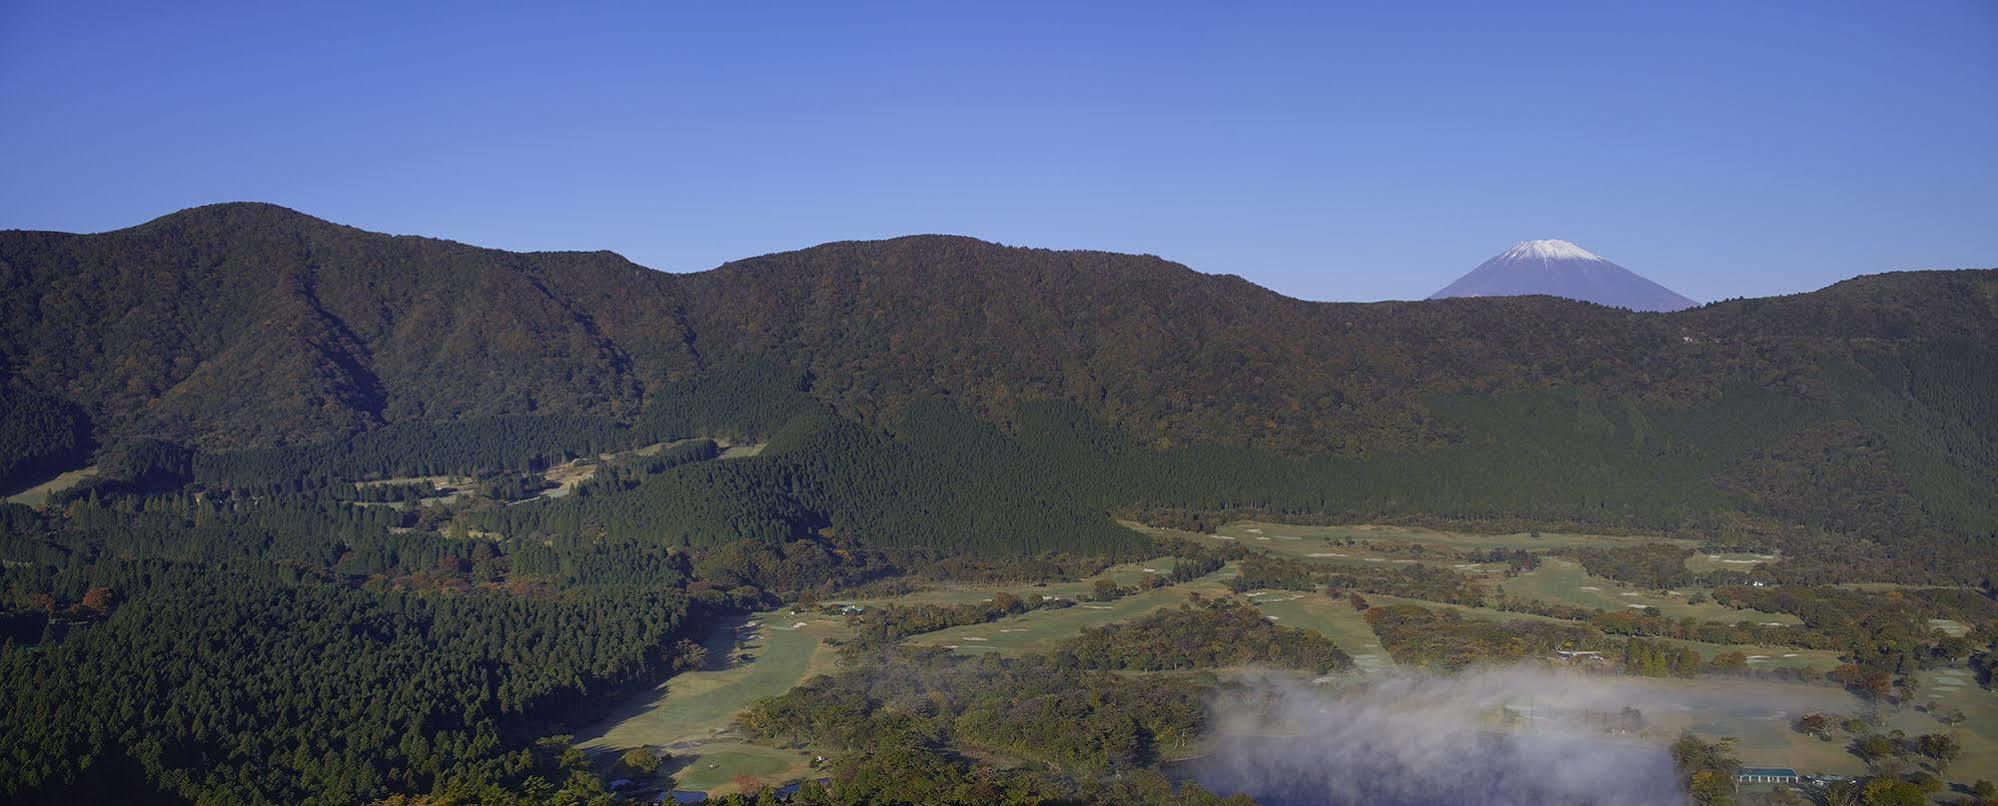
{"x": 1819, "y": 725}
{"x": 642, "y": 761}
{"x": 1445, "y": 638}
{"x": 1220, "y": 633}
{"x": 1707, "y": 769}
{"x": 924, "y": 706}
{"x": 97, "y": 601}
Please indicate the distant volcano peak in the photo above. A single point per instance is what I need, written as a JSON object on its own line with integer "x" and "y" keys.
{"x": 1550, "y": 249}
{"x": 1562, "y": 269}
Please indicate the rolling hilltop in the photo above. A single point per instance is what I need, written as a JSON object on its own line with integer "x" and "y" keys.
{"x": 1863, "y": 410}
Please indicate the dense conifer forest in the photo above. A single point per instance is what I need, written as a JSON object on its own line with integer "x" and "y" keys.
{"x": 377, "y": 516}
{"x": 1856, "y": 420}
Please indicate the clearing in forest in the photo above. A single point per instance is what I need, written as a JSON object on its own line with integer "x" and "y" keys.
{"x": 1759, "y": 657}
{"x": 690, "y": 714}
{"x": 1292, "y": 539}
{"x": 1762, "y": 714}
{"x": 1040, "y": 630}
{"x": 1333, "y": 618}
{"x": 1703, "y": 563}
{"x": 953, "y": 593}
{"x": 714, "y": 767}
{"x": 39, "y": 494}
{"x": 1559, "y": 580}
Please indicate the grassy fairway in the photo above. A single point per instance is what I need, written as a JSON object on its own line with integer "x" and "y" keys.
{"x": 1289, "y": 539}
{"x": 1761, "y": 714}
{"x": 1039, "y": 630}
{"x": 1759, "y": 657}
{"x": 1393, "y": 544}
{"x": 1332, "y": 618}
{"x": 1563, "y": 581}
{"x": 698, "y": 705}
{"x": 714, "y": 766}
{"x": 1957, "y": 690}
{"x": 690, "y": 714}
{"x": 1126, "y": 575}
{"x": 1701, "y": 562}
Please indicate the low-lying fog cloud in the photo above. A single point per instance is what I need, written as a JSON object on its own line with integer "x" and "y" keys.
{"x": 1522, "y": 736}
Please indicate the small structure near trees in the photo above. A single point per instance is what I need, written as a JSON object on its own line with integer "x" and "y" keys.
{"x": 1766, "y": 775}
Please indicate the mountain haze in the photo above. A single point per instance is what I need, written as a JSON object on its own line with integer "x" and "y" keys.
{"x": 1561, "y": 269}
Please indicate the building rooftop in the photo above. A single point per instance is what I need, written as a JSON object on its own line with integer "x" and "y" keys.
{"x": 1775, "y": 772}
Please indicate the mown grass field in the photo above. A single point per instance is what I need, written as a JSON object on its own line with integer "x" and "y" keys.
{"x": 1126, "y": 575}
{"x": 1951, "y": 690}
{"x": 1333, "y": 618}
{"x": 694, "y": 710}
{"x": 1039, "y": 630}
{"x": 715, "y": 766}
{"x": 39, "y": 494}
{"x": 1563, "y": 581}
{"x": 1702, "y": 562}
{"x": 1759, "y": 657}
{"x": 1283, "y": 538}
{"x": 1761, "y": 715}
{"x": 691, "y": 713}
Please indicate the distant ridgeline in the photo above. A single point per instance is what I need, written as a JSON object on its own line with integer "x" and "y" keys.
{"x": 949, "y": 394}
{"x": 493, "y": 491}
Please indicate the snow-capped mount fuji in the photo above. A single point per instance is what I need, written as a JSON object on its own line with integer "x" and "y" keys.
{"x": 1562, "y": 269}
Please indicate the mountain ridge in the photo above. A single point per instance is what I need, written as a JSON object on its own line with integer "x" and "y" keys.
{"x": 252, "y": 326}
{"x": 215, "y": 293}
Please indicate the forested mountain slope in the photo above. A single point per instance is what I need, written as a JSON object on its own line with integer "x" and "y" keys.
{"x": 1866, "y": 408}
{"x": 245, "y": 324}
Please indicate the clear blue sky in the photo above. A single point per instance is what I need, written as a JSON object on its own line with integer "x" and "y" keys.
{"x": 1352, "y": 152}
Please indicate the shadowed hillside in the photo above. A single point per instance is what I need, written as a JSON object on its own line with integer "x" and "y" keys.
{"x": 246, "y": 325}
